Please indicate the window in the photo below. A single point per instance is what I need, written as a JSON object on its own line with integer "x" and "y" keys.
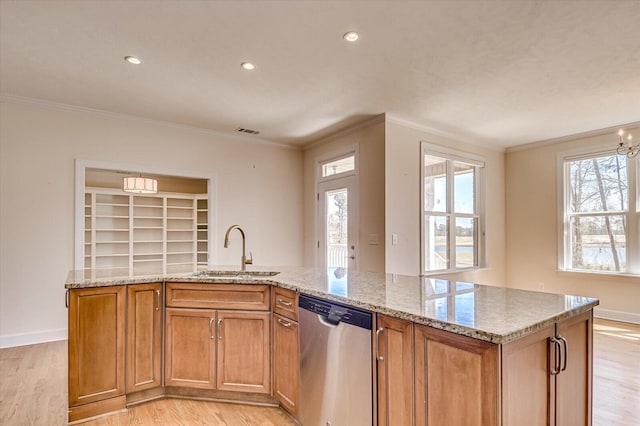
{"x": 600, "y": 214}
{"x": 341, "y": 165}
{"x": 452, "y": 210}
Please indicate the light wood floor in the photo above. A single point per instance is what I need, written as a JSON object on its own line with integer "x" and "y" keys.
{"x": 33, "y": 389}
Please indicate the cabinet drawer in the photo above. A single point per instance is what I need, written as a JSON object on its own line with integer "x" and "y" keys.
{"x": 285, "y": 303}
{"x": 218, "y": 296}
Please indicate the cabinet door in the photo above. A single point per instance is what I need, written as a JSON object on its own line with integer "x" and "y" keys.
{"x": 456, "y": 379}
{"x": 144, "y": 336}
{"x": 244, "y": 361}
{"x": 528, "y": 388}
{"x": 190, "y": 348}
{"x": 574, "y": 381}
{"x": 96, "y": 344}
{"x": 395, "y": 371}
{"x": 286, "y": 364}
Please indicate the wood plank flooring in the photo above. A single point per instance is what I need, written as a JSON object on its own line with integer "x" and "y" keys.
{"x": 616, "y": 373}
{"x": 33, "y": 389}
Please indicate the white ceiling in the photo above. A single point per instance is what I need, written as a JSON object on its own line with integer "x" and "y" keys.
{"x": 497, "y": 73}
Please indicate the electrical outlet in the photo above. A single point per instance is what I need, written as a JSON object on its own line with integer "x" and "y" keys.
{"x": 394, "y": 239}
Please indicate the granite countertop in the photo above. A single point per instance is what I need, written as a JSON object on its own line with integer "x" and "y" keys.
{"x": 493, "y": 314}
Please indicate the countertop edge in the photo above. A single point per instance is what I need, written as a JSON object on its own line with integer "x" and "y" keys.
{"x": 468, "y": 331}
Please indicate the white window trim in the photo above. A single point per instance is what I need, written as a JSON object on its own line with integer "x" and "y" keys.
{"x": 334, "y": 156}
{"x": 633, "y": 224}
{"x": 480, "y": 189}
{"x": 82, "y": 165}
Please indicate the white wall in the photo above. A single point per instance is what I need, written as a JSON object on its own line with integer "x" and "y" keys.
{"x": 532, "y": 231}
{"x": 403, "y": 203}
{"x": 259, "y": 187}
{"x": 369, "y": 138}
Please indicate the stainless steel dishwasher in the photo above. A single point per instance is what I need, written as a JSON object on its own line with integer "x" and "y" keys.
{"x": 335, "y": 364}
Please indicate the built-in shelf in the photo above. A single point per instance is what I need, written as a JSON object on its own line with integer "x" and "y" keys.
{"x": 136, "y": 234}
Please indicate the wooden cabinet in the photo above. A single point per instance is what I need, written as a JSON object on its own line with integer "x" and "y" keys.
{"x": 574, "y": 380}
{"x": 244, "y": 351}
{"x": 286, "y": 349}
{"x": 144, "y": 337}
{"x": 394, "y": 355}
{"x": 553, "y": 368}
{"x": 456, "y": 378}
{"x": 96, "y": 350}
{"x": 544, "y": 378}
{"x": 215, "y": 348}
{"x": 190, "y": 348}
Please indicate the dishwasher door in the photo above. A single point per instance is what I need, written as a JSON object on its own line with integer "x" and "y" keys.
{"x": 335, "y": 364}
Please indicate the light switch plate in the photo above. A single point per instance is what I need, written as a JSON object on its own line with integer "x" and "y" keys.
{"x": 394, "y": 239}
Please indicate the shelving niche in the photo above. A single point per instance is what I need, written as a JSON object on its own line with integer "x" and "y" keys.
{"x": 138, "y": 234}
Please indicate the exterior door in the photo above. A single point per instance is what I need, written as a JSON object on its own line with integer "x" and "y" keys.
{"x": 337, "y": 227}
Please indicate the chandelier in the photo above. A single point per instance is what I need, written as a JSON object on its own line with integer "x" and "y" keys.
{"x": 140, "y": 185}
{"x": 628, "y": 149}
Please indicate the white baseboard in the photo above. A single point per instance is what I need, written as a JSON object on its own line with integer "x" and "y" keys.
{"x": 616, "y": 315}
{"x": 32, "y": 338}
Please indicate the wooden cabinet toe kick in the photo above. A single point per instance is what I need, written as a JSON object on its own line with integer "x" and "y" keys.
{"x": 86, "y": 412}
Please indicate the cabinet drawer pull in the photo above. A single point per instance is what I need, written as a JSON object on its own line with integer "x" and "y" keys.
{"x": 219, "y": 334}
{"x": 284, "y": 303}
{"x": 211, "y": 328}
{"x": 566, "y": 352}
{"x": 66, "y": 299}
{"x": 158, "y": 302}
{"x": 557, "y": 355}
{"x": 378, "y": 357}
{"x": 284, "y": 323}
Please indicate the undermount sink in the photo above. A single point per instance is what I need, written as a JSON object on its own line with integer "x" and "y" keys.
{"x": 235, "y": 274}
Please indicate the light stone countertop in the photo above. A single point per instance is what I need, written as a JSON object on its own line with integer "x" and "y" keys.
{"x": 493, "y": 314}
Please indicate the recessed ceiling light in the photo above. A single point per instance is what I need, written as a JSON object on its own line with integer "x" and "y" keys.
{"x": 351, "y": 36}
{"x": 133, "y": 60}
{"x": 247, "y": 66}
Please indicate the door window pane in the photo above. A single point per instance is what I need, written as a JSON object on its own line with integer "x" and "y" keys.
{"x": 436, "y": 237}
{"x": 435, "y": 184}
{"x": 337, "y": 227}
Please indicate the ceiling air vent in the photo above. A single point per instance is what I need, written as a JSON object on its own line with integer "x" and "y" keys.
{"x": 243, "y": 130}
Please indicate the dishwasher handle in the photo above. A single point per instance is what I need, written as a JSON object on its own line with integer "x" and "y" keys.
{"x": 327, "y": 322}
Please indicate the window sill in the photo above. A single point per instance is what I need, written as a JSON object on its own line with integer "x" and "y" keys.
{"x": 607, "y": 276}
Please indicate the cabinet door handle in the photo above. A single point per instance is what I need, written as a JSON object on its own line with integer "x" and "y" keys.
{"x": 219, "y": 334}
{"x": 566, "y": 352}
{"x": 283, "y": 303}
{"x": 211, "y": 320}
{"x": 378, "y": 357}
{"x": 158, "y": 300}
{"x": 557, "y": 354}
{"x": 284, "y": 323}
{"x": 66, "y": 299}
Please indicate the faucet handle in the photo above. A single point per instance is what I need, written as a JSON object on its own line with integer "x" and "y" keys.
{"x": 249, "y": 261}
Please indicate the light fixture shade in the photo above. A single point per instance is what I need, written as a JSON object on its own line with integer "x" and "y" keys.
{"x": 140, "y": 185}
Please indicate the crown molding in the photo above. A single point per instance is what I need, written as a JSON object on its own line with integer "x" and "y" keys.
{"x": 567, "y": 138}
{"x": 23, "y": 100}
{"x": 344, "y": 132}
{"x": 448, "y": 135}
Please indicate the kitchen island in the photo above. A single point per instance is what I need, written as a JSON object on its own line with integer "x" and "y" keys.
{"x": 445, "y": 352}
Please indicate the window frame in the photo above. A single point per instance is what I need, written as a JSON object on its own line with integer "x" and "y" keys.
{"x": 452, "y": 155}
{"x": 632, "y": 215}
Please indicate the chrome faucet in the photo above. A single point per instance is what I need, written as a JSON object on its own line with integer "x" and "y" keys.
{"x": 245, "y": 261}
